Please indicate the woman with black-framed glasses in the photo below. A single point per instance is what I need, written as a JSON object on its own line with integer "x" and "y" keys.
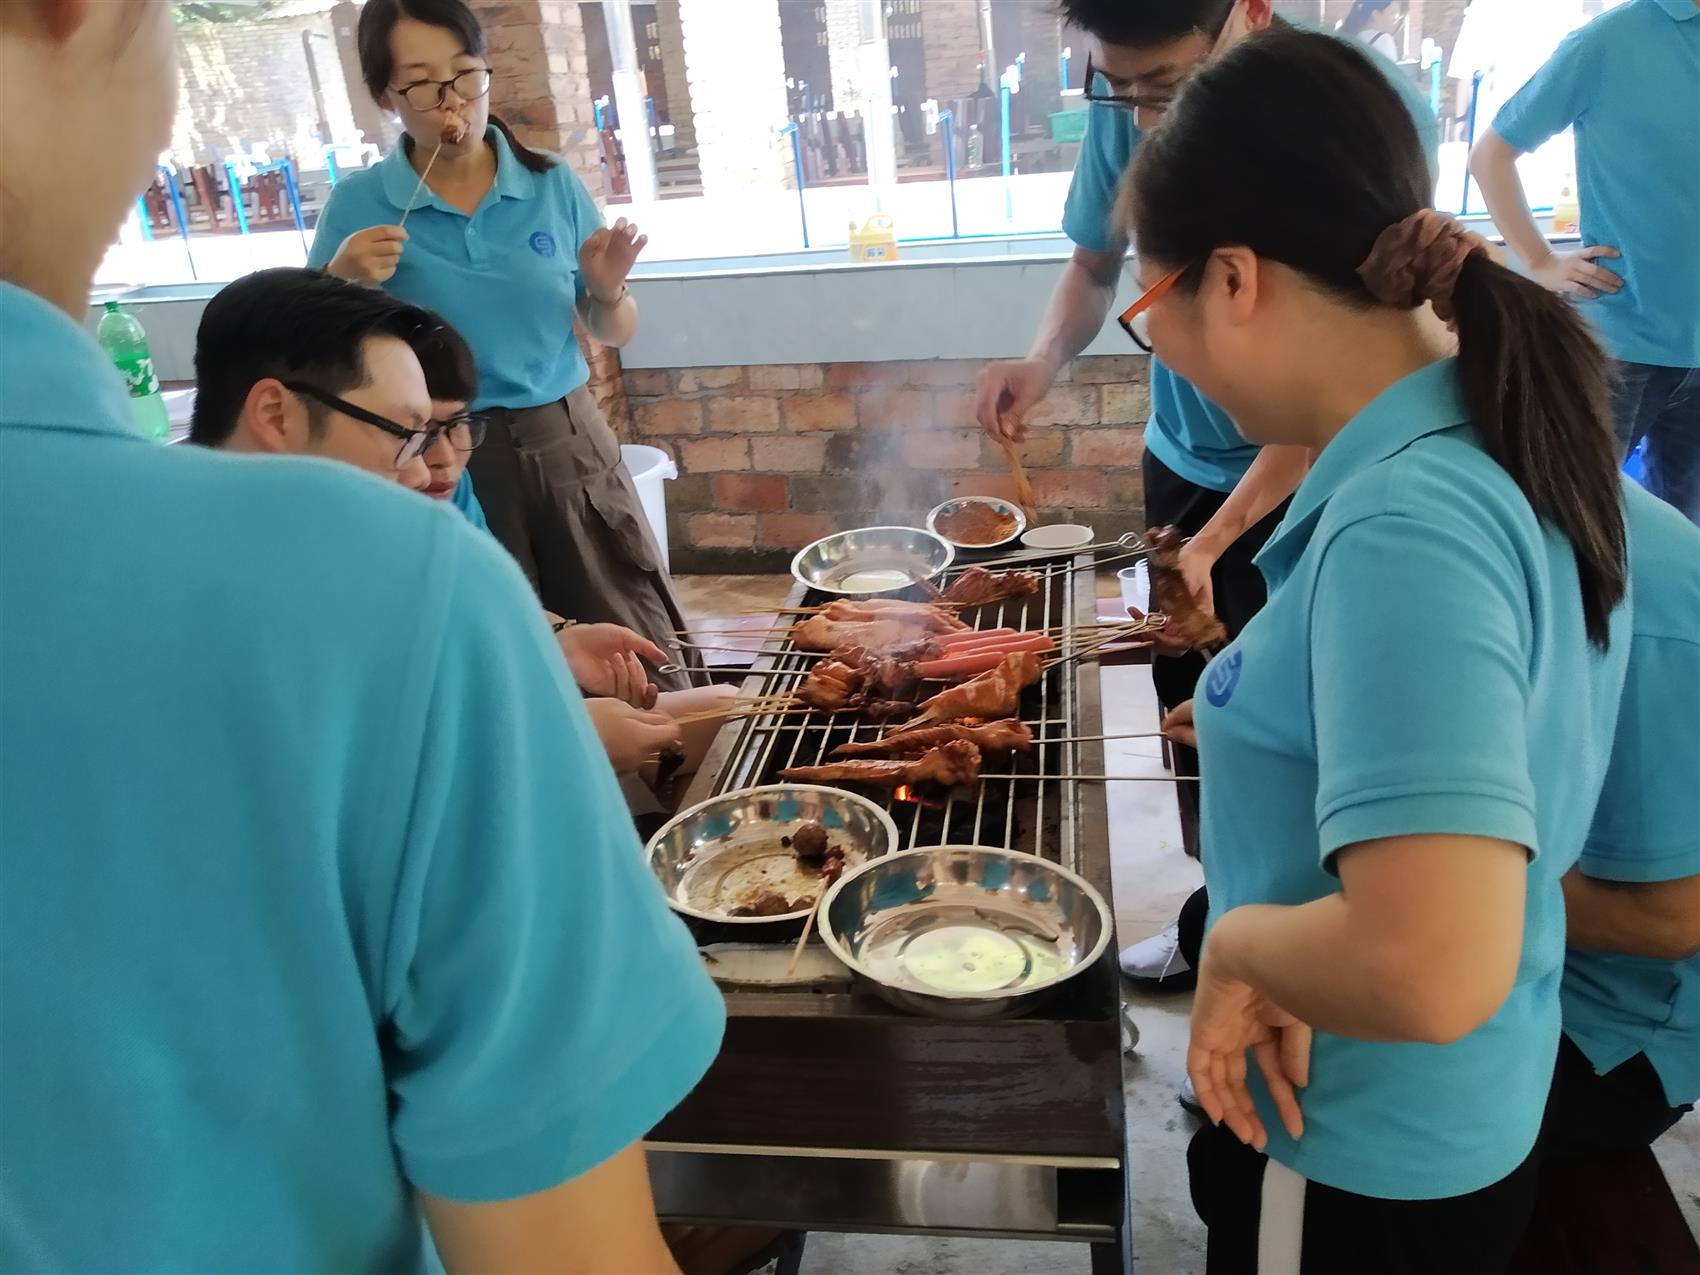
{"x": 509, "y": 247}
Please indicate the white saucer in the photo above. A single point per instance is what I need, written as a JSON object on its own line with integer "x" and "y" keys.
{"x": 1061, "y": 535}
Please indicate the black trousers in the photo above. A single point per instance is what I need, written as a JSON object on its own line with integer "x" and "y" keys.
{"x": 1588, "y": 1113}
{"x": 1240, "y": 593}
{"x": 1346, "y": 1234}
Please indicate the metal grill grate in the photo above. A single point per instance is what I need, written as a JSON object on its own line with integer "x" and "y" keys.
{"x": 1037, "y": 815}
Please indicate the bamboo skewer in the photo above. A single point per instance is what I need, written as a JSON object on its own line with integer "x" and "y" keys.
{"x": 1102, "y": 779}
{"x": 808, "y": 928}
{"x": 1023, "y": 488}
{"x": 420, "y": 184}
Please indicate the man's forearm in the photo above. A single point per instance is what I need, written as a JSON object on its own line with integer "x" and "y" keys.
{"x": 1272, "y": 477}
{"x": 1079, "y": 305}
{"x": 1658, "y": 919}
{"x": 1493, "y": 163}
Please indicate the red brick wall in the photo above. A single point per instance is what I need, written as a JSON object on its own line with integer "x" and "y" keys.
{"x": 772, "y": 457}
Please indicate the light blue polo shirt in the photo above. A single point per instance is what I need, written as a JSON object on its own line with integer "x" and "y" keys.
{"x": 465, "y": 499}
{"x": 317, "y": 885}
{"x": 1421, "y": 667}
{"x": 1628, "y": 83}
{"x": 1647, "y": 825}
{"x": 1187, "y": 432}
{"x": 506, "y": 278}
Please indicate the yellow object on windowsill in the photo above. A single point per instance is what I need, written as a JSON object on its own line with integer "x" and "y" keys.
{"x": 875, "y": 241}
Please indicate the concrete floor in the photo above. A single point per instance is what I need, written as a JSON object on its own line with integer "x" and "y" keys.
{"x": 1151, "y": 877}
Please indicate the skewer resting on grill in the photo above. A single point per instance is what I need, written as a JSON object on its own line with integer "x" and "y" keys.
{"x": 1009, "y": 735}
{"x": 976, "y": 586}
{"x": 948, "y": 765}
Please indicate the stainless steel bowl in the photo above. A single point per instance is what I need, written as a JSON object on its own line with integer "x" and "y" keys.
{"x": 964, "y": 931}
{"x": 1002, "y": 506}
{"x": 872, "y": 560}
{"x": 719, "y": 854}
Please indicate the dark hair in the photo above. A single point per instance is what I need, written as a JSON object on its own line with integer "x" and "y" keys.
{"x": 1292, "y": 110}
{"x": 1360, "y": 14}
{"x": 378, "y": 19}
{"x": 451, "y": 373}
{"x": 1142, "y": 24}
{"x": 289, "y": 323}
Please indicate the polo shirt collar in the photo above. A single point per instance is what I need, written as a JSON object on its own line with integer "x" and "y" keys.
{"x": 1681, "y": 10}
{"x": 52, "y": 374}
{"x": 513, "y": 179}
{"x": 1428, "y": 401}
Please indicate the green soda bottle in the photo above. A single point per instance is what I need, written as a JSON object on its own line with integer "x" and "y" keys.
{"x": 120, "y": 335}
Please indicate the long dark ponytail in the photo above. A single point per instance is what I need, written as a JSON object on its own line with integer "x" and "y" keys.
{"x": 1292, "y": 111}
{"x": 377, "y": 64}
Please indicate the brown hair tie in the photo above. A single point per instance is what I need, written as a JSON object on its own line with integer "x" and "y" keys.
{"x": 1418, "y": 260}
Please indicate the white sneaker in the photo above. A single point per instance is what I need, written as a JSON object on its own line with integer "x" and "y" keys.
{"x": 1188, "y": 1098}
{"x": 1158, "y": 960}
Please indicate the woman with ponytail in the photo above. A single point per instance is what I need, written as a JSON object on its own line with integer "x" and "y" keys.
{"x": 507, "y": 245}
{"x": 1413, "y": 731}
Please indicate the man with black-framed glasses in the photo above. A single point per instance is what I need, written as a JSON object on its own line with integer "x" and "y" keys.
{"x": 292, "y": 362}
{"x": 1198, "y": 473}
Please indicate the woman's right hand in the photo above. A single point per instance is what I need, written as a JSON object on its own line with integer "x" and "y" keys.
{"x": 631, "y": 736}
{"x": 369, "y": 256}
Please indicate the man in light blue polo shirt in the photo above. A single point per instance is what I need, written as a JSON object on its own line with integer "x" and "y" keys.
{"x": 1628, "y": 84}
{"x": 1629, "y": 1063}
{"x": 1199, "y": 474}
{"x": 322, "y": 907}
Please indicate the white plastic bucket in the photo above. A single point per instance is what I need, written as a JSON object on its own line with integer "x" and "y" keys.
{"x": 651, "y": 470}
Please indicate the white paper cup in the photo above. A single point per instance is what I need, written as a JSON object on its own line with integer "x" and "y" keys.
{"x": 1136, "y": 586}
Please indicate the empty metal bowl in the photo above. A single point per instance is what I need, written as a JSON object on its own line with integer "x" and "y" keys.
{"x": 964, "y": 931}
{"x": 962, "y": 502}
{"x": 872, "y": 560}
{"x": 720, "y": 854}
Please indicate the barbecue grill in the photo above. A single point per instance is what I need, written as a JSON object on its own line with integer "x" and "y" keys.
{"x": 829, "y": 1110}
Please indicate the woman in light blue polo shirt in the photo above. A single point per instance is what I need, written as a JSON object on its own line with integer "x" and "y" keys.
{"x": 323, "y": 918}
{"x": 507, "y": 245}
{"x": 1405, "y": 745}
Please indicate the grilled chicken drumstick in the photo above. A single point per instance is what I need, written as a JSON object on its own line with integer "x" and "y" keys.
{"x": 949, "y": 765}
{"x": 990, "y": 695}
{"x": 1170, "y": 595}
{"x": 1006, "y": 736}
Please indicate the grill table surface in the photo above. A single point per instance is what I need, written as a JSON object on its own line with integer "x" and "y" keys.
{"x": 829, "y": 1110}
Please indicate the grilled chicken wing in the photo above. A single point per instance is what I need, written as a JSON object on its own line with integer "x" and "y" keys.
{"x": 976, "y": 586}
{"x": 1170, "y": 595}
{"x": 1006, "y": 736}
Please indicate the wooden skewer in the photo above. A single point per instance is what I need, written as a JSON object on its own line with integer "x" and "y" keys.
{"x": 1093, "y": 739}
{"x": 420, "y": 184}
{"x": 808, "y": 928}
{"x": 1023, "y": 488}
{"x": 1103, "y": 779}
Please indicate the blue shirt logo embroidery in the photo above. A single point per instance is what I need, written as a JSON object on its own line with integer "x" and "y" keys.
{"x": 1221, "y": 678}
{"x": 543, "y": 244}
